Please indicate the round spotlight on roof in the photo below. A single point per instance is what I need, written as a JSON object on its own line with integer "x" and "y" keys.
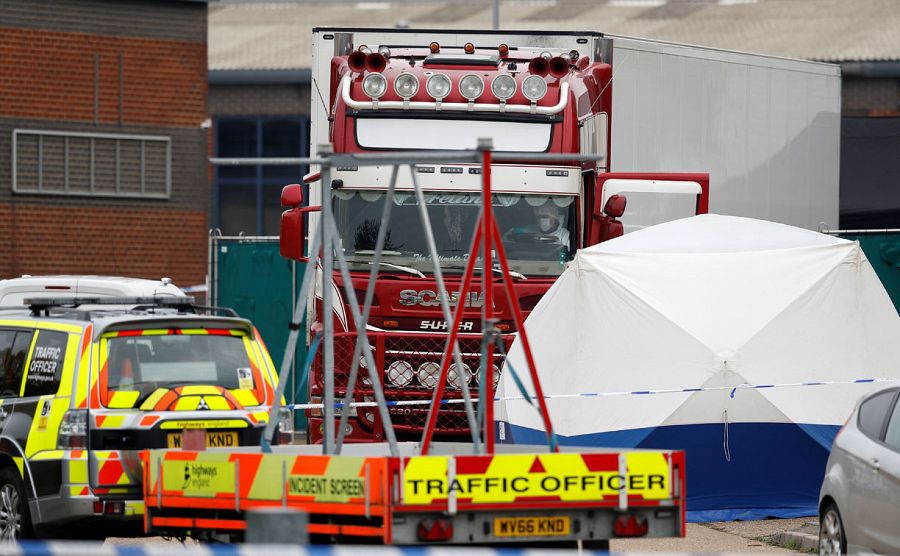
{"x": 534, "y": 88}
{"x": 406, "y": 85}
{"x": 504, "y": 87}
{"x": 364, "y": 49}
{"x": 375, "y": 85}
{"x": 384, "y": 51}
{"x": 471, "y": 86}
{"x": 438, "y": 86}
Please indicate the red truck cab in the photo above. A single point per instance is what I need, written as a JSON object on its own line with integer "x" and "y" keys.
{"x": 399, "y": 95}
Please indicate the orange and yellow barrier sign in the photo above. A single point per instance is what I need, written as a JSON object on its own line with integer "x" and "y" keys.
{"x": 518, "y": 477}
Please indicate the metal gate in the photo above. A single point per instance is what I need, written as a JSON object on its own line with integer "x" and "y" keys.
{"x": 249, "y": 275}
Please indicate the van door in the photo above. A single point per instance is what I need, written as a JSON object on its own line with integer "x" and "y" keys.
{"x": 37, "y": 412}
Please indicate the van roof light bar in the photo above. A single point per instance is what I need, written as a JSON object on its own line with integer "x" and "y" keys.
{"x": 38, "y": 304}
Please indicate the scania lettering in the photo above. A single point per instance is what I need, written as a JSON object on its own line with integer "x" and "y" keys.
{"x": 531, "y": 92}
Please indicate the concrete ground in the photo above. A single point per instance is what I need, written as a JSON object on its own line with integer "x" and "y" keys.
{"x": 727, "y": 536}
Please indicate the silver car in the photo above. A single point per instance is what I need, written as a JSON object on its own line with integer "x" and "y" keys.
{"x": 859, "y": 504}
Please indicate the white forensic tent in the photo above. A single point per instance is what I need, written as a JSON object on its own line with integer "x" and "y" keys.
{"x": 711, "y": 302}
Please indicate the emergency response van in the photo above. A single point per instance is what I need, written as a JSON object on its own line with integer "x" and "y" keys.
{"x": 88, "y": 382}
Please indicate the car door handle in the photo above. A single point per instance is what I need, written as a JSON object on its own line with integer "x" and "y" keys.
{"x": 876, "y": 465}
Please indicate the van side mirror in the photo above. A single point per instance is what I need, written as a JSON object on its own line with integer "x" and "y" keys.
{"x": 293, "y": 232}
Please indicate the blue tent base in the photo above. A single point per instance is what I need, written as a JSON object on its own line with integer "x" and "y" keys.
{"x": 763, "y": 470}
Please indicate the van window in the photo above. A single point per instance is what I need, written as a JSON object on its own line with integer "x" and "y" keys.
{"x": 46, "y": 365}
{"x": 14, "y": 346}
{"x": 148, "y": 362}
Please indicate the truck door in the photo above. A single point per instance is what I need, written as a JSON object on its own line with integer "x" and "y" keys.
{"x": 651, "y": 198}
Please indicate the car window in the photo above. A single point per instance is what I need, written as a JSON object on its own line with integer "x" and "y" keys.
{"x": 14, "y": 345}
{"x": 46, "y": 364}
{"x": 873, "y": 412}
{"x": 892, "y": 436}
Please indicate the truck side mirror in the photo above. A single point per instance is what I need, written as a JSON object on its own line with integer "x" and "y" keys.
{"x": 615, "y": 206}
{"x": 293, "y": 233}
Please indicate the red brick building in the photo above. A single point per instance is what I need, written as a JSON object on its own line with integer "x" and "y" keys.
{"x": 103, "y": 139}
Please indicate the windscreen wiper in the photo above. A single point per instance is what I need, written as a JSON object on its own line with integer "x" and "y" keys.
{"x": 513, "y": 273}
{"x": 410, "y": 270}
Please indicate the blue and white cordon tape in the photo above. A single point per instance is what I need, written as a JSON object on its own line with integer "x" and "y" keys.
{"x": 733, "y": 389}
{"x": 62, "y": 548}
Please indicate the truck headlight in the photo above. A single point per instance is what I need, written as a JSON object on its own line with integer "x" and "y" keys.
{"x": 534, "y": 88}
{"x": 471, "y": 86}
{"x": 428, "y": 374}
{"x": 503, "y": 87}
{"x": 438, "y": 86}
{"x": 458, "y": 377}
{"x": 374, "y": 85}
{"x": 406, "y": 85}
{"x": 400, "y": 373}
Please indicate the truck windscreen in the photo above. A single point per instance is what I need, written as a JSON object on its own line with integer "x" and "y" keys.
{"x": 538, "y": 230}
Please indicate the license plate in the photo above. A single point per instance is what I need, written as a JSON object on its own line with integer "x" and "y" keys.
{"x": 531, "y": 526}
{"x": 213, "y": 439}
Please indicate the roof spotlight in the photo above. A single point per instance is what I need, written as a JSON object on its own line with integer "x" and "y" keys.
{"x": 364, "y": 49}
{"x": 503, "y": 86}
{"x": 534, "y": 88}
{"x": 384, "y": 51}
{"x": 406, "y": 85}
{"x": 438, "y": 86}
{"x": 471, "y": 86}
{"x": 374, "y": 85}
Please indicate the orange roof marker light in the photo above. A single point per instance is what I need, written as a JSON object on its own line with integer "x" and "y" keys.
{"x": 434, "y": 47}
{"x": 503, "y": 49}
{"x": 469, "y": 48}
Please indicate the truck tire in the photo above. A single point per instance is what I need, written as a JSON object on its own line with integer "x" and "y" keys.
{"x": 15, "y": 519}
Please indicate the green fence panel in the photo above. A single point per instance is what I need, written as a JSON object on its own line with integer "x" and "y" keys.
{"x": 883, "y": 252}
{"x": 252, "y": 278}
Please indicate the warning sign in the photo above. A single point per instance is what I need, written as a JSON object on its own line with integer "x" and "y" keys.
{"x": 205, "y": 478}
{"x": 508, "y": 478}
{"x": 342, "y": 481}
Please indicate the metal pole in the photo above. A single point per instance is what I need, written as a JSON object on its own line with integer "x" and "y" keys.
{"x": 445, "y": 307}
{"x": 309, "y": 278}
{"x": 367, "y": 350}
{"x": 328, "y": 244}
{"x": 496, "y": 14}
{"x": 487, "y": 279}
{"x": 367, "y": 306}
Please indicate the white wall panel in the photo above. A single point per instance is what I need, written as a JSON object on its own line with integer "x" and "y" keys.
{"x": 766, "y": 129}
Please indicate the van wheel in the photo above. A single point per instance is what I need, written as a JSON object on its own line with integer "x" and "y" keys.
{"x": 15, "y": 522}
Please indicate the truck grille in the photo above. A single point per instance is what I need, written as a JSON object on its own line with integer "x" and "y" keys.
{"x": 408, "y": 365}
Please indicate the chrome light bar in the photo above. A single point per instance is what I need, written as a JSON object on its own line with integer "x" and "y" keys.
{"x": 463, "y": 106}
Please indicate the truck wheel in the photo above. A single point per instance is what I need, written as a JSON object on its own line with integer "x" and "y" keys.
{"x": 15, "y": 521}
{"x": 831, "y": 532}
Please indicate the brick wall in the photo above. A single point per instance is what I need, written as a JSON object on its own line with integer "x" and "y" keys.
{"x": 51, "y": 75}
{"x": 258, "y": 100}
{"x": 156, "y": 19}
{"x": 106, "y": 66}
{"x": 127, "y": 242}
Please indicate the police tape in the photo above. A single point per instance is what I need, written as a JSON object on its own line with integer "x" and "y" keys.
{"x": 64, "y": 548}
{"x": 733, "y": 390}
